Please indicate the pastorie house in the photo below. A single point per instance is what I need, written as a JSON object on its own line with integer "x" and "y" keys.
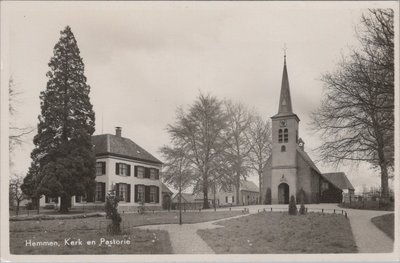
{"x": 122, "y": 164}
{"x": 290, "y": 170}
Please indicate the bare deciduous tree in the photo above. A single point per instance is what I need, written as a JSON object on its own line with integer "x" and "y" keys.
{"x": 237, "y": 150}
{"x": 199, "y": 132}
{"x": 15, "y": 192}
{"x": 356, "y": 116}
{"x": 177, "y": 171}
{"x": 259, "y": 138}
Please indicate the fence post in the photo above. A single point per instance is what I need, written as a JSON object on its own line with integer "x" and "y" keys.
{"x": 342, "y": 212}
{"x": 271, "y": 209}
{"x": 345, "y": 214}
{"x": 334, "y": 211}
{"x": 322, "y": 210}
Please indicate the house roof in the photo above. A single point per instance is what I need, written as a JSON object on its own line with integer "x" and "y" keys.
{"x": 120, "y": 146}
{"x": 165, "y": 189}
{"x": 248, "y": 186}
{"x": 188, "y": 198}
{"x": 308, "y": 160}
{"x": 339, "y": 179}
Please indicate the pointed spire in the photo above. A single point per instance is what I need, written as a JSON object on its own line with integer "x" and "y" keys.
{"x": 285, "y": 102}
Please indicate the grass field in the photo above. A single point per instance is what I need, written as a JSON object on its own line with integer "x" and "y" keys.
{"x": 88, "y": 229}
{"x": 385, "y": 223}
{"x": 275, "y": 232}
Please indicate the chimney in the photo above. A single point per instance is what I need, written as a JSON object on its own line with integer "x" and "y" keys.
{"x": 118, "y": 131}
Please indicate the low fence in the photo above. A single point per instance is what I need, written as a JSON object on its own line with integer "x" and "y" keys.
{"x": 315, "y": 210}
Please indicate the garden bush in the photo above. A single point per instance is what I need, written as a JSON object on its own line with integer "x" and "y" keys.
{"x": 111, "y": 208}
{"x": 292, "y": 206}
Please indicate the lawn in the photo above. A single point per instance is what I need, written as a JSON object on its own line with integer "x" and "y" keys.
{"x": 274, "y": 232}
{"x": 94, "y": 228}
{"x": 385, "y": 223}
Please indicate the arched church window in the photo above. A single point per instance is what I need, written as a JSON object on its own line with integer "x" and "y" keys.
{"x": 280, "y": 136}
{"x": 283, "y": 148}
{"x": 285, "y": 135}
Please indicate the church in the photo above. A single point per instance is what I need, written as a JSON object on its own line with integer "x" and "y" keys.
{"x": 290, "y": 171}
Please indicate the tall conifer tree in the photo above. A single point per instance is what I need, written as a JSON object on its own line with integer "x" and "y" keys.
{"x": 63, "y": 155}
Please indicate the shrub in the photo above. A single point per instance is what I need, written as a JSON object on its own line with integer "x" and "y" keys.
{"x": 49, "y": 207}
{"x": 302, "y": 210}
{"x": 292, "y": 206}
{"x": 267, "y": 200}
{"x": 111, "y": 208}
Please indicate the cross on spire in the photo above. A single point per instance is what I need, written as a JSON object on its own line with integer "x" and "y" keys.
{"x": 284, "y": 52}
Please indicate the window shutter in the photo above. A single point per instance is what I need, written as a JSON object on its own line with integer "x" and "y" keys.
{"x": 135, "y": 173}
{"x": 147, "y": 172}
{"x": 233, "y": 199}
{"x": 103, "y": 192}
{"x": 226, "y": 199}
{"x": 117, "y": 168}
{"x": 129, "y": 170}
{"x": 147, "y": 194}
{"x": 136, "y": 192}
{"x": 157, "y": 174}
{"x": 117, "y": 190}
{"x": 157, "y": 194}
{"x": 103, "y": 168}
{"x": 128, "y": 193}
{"x": 46, "y": 199}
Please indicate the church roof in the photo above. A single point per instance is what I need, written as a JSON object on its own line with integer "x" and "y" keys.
{"x": 308, "y": 160}
{"x": 105, "y": 144}
{"x": 248, "y": 186}
{"x": 285, "y": 101}
{"x": 339, "y": 179}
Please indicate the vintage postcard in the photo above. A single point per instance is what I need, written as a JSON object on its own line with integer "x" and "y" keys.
{"x": 199, "y": 131}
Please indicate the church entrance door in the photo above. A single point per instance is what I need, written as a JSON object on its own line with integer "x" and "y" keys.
{"x": 283, "y": 193}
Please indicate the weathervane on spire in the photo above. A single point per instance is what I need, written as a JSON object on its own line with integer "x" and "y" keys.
{"x": 284, "y": 52}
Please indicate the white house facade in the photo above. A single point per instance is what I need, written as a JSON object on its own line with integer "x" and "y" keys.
{"x": 128, "y": 168}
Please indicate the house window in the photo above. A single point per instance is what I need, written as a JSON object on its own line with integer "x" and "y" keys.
{"x": 153, "y": 194}
{"x": 233, "y": 199}
{"x": 99, "y": 193}
{"x": 123, "y": 192}
{"x": 49, "y": 200}
{"x": 280, "y": 136}
{"x": 100, "y": 168}
{"x": 230, "y": 188}
{"x": 122, "y": 169}
{"x": 153, "y": 174}
{"x": 140, "y": 171}
{"x": 140, "y": 193}
{"x": 283, "y": 148}
{"x": 285, "y": 135}
{"x": 80, "y": 198}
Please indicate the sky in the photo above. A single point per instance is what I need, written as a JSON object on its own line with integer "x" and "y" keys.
{"x": 145, "y": 59}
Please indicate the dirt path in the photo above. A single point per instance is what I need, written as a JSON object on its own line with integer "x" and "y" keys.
{"x": 184, "y": 238}
{"x": 368, "y": 237}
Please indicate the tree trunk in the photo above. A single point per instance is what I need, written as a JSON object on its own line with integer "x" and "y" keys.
{"x": 180, "y": 204}
{"x": 205, "y": 192}
{"x": 259, "y": 186}
{"x": 215, "y": 205}
{"x": 237, "y": 186}
{"x": 65, "y": 202}
{"x": 384, "y": 185}
{"x": 17, "y": 211}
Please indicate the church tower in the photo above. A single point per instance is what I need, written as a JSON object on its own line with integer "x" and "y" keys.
{"x": 285, "y": 126}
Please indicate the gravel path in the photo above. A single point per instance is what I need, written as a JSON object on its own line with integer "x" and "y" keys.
{"x": 368, "y": 237}
{"x": 184, "y": 238}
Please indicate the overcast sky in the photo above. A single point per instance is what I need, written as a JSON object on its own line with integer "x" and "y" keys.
{"x": 144, "y": 59}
